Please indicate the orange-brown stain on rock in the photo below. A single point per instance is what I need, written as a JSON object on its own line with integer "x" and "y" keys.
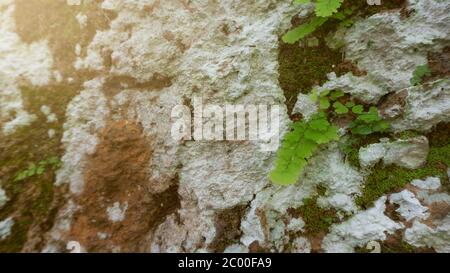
{"x": 118, "y": 172}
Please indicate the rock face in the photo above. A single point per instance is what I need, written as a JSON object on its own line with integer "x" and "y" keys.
{"x": 386, "y": 42}
{"x": 426, "y": 106}
{"x": 5, "y": 228}
{"x": 3, "y": 197}
{"x": 18, "y": 62}
{"x": 366, "y": 226}
{"x": 160, "y": 68}
{"x": 422, "y": 235}
{"x": 410, "y": 153}
{"x": 126, "y": 185}
{"x": 431, "y": 183}
{"x": 409, "y": 206}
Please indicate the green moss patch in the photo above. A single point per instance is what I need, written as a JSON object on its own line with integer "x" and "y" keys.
{"x": 317, "y": 220}
{"x": 307, "y": 62}
{"x": 32, "y": 198}
{"x": 386, "y": 179}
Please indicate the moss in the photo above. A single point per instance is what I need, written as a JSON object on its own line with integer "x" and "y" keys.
{"x": 408, "y": 134}
{"x": 386, "y": 179}
{"x": 317, "y": 220}
{"x": 227, "y": 223}
{"x": 31, "y": 200}
{"x": 301, "y": 67}
{"x": 14, "y": 242}
{"x": 400, "y": 247}
{"x": 365, "y": 10}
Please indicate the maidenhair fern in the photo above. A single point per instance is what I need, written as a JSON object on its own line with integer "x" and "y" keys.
{"x": 368, "y": 122}
{"x": 325, "y": 9}
{"x": 299, "y": 145}
{"x": 305, "y": 137}
{"x": 38, "y": 169}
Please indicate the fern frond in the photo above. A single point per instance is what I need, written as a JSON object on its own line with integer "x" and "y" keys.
{"x": 299, "y": 145}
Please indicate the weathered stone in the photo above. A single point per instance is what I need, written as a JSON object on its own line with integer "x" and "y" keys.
{"x": 438, "y": 237}
{"x": 3, "y": 198}
{"x": 410, "y": 153}
{"x": 366, "y": 226}
{"x": 431, "y": 183}
{"x": 5, "y": 227}
{"x": 409, "y": 207}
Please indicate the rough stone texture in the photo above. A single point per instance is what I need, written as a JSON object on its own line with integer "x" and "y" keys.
{"x": 5, "y": 228}
{"x": 198, "y": 61}
{"x": 421, "y": 235}
{"x": 116, "y": 213}
{"x": 366, "y": 226}
{"x": 305, "y": 106}
{"x": 409, "y": 207}
{"x": 18, "y": 62}
{"x": 390, "y": 47}
{"x": 301, "y": 245}
{"x": 359, "y": 87}
{"x": 85, "y": 115}
{"x": 267, "y": 221}
{"x": 410, "y": 153}
{"x": 236, "y": 248}
{"x": 431, "y": 183}
{"x": 426, "y": 106}
{"x": 158, "y": 54}
{"x": 3, "y": 197}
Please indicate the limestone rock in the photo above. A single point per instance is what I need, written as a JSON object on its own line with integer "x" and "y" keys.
{"x": 366, "y": 226}
{"x": 431, "y": 183}
{"x": 3, "y": 198}
{"x": 409, "y": 207}
{"x": 410, "y": 153}
{"x": 5, "y": 228}
{"x": 426, "y": 106}
{"x": 438, "y": 237}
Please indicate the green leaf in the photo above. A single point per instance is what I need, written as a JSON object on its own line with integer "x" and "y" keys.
{"x": 381, "y": 126}
{"x": 349, "y": 104}
{"x": 288, "y": 175}
{"x": 21, "y": 176}
{"x": 418, "y": 74}
{"x": 325, "y": 8}
{"x": 299, "y": 145}
{"x": 324, "y": 103}
{"x": 331, "y": 134}
{"x": 358, "y": 109}
{"x": 368, "y": 118}
{"x": 40, "y": 170}
{"x": 32, "y": 170}
{"x": 362, "y": 130}
{"x": 313, "y": 135}
{"x": 313, "y": 95}
{"x": 304, "y": 30}
{"x": 302, "y": 1}
{"x": 319, "y": 124}
{"x": 337, "y": 94}
{"x": 339, "y": 108}
{"x": 324, "y": 93}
